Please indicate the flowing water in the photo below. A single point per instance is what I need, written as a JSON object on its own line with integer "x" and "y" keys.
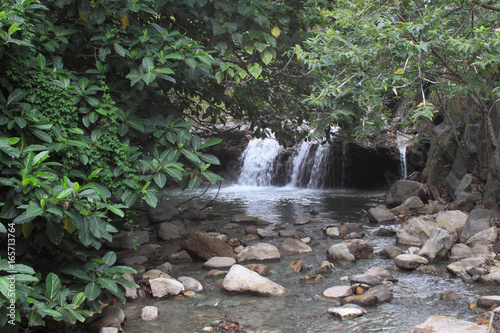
{"x": 303, "y": 309}
{"x": 402, "y": 142}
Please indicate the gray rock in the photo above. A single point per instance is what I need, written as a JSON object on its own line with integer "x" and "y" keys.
{"x": 391, "y": 252}
{"x": 171, "y": 230}
{"x": 379, "y": 215}
{"x": 404, "y": 189}
{"x": 250, "y": 238}
{"x": 301, "y": 220}
{"x": 263, "y": 233}
{"x": 380, "y": 272}
{"x": 382, "y": 293}
{"x": 130, "y": 293}
{"x": 166, "y": 267}
{"x": 163, "y": 212}
{"x": 460, "y": 251}
{"x": 441, "y": 324}
{"x": 487, "y": 237}
{"x": 162, "y": 286}
{"x": 129, "y": 240}
{"x": 135, "y": 260}
{"x": 241, "y": 279}
{"x": 337, "y": 292}
{"x": 190, "y": 283}
{"x": 203, "y": 246}
{"x": 219, "y": 262}
{"x": 478, "y": 220}
{"x": 290, "y": 233}
{"x": 181, "y": 256}
{"x": 438, "y": 245}
{"x": 109, "y": 330}
{"x": 259, "y": 251}
{"x": 363, "y": 299}
{"x": 293, "y": 246}
{"x": 410, "y": 261}
{"x": 459, "y": 268}
{"x": 194, "y": 214}
{"x": 409, "y": 204}
{"x": 359, "y": 248}
{"x": 154, "y": 274}
{"x": 415, "y": 231}
{"x": 340, "y": 252}
{"x": 493, "y": 277}
{"x": 149, "y": 313}
{"x": 332, "y": 232}
{"x": 452, "y": 219}
{"x": 251, "y": 230}
{"x": 259, "y": 268}
{"x": 366, "y": 279}
{"x": 347, "y": 311}
{"x": 449, "y": 296}
{"x": 486, "y": 302}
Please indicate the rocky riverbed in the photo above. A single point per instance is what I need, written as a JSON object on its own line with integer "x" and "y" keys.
{"x": 391, "y": 263}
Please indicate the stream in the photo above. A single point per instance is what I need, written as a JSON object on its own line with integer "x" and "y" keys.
{"x": 303, "y": 309}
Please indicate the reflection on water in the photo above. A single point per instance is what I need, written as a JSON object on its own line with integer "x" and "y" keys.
{"x": 416, "y": 296}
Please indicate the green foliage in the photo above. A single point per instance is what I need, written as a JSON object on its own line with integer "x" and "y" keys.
{"x": 376, "y": 56}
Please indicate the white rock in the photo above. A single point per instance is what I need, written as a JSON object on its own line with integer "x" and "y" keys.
{"x": 219, "y": 262}
{"x": 332, "y": 232}
{"x": 338, "y": 291}
{"x": 190, "y": 283}
{"x": 162, "y": 286}
{"x": 410, "y": 261}
{"x": 149, "y": 313}
{"x": 259, "y": 251}
{"x": 347, "y": 311}
{"x": 293, "y": 246}
{"x": 443, "y": 324}
{"x": 129, "y": 292}
{"x": 452, "y": 219}
{"x": 241, "y": 279}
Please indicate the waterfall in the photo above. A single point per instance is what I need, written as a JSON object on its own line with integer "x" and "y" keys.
{"x": 401, "y": 142}
{"x": 313, "y": 166}
{"x": 258, "y": 162}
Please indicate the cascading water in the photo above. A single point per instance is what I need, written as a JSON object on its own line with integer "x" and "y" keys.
{"x": 314, "y": 166}
{"x": 401, "y": 142}
{"x": 258, "y": 162}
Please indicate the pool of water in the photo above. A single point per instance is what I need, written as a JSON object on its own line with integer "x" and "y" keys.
{"x": 303, "y": 309}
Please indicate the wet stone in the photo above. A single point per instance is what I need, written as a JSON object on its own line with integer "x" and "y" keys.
{"x": 366, "y": 279}
{"x": 338, "y": 291}
{"x": 364, "y": 299}
{"x": 347, "y": 311}
{"x": 487, "y": 302}
{"x": 219, "y": 262}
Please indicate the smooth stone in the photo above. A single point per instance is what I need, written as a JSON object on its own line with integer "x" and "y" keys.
{"x": 391, "y": 252}
{"x": 259, "y": 251}
{"x": 460, "y": 267}
{"x": 332, "y": 232}
{"x": 130, "y": 293}
{"x": 163, "y": 212}
{"x": 449, "y": 296}
{"x": 190, "y": 283}
{"x": 410, "y": 261}
{"x": 109, "y": 330}
{"x": 193, "y": 214}
{"x": 382, "y": 293}
{"x": 203, "y": 246}
{"x": 241, "y": 279}
{"x": 380, "y": 272}
{"x": 408, "y": 204}
{"x": 219, "y": 262}
{"x": 306, "y": 240}
{"x": 170, "y": 230}
{"x": 293, "y": 246}
{"x": 162, "y": 286}
{"x": 487, "y": 237}
{"x": 149, "y": 313}
{"x": 338, "y": 291}
{"x": 242, "y": 218}
{"x": 359, "y": 248}
{"x": 263, "y": 233}
{"x": 340, "y": 252}
{"x": 301, "y": 220}
{"x": 441, "y": 324}
{"x": 347, "y": 311}
{"x": 486, "y": 302}
{"x": 166, "y": 267}
{"x": 364, "y": 299}
{"x": 366, "y": 279}
{"x": 215, "y": 273}
{"x": 154, "y": 274}
{"x": 181, "y": 256}
{"x": 478, "y": 220}
{"x": 251, "y": 229}
{"x": 404, "y": 189}
{"x": 460, "y": 251}
{"x": 380, "y": 215}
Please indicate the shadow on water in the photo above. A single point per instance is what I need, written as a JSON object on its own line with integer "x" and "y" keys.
{"x": 304, "y": 309}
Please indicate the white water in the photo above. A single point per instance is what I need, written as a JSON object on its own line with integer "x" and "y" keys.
{"x": 258, "y": 162}
{"x": 401, "y": 142}
{"x": 311, "y": 167}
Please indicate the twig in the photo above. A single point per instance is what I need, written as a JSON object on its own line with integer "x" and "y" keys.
{"x": 192, "y": 198}
{"x": 216, "y": 195}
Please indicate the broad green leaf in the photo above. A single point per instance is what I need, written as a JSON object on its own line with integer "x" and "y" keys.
{"x": 209, "y": 158}
{"x": 116, "y": 210}
{"x": 24, "y": 269}
{"x": 108, "y": 284}
{"x": 194, "y": 182}
{"x": 40, "y": 157}
{"x": 55, "y": 231}
{"x": 42, "y": 135}
{"x": 212, "y": 177}
{"x": 52, "y": 286}
{"x": 149, "y": 77}
{"x": 129, "y": 197}
{"x": 33, "y": 211}
{"x": 151, "y": 199}
{"x": 92, "y": 291}
{"x": 109, "y": 258}
{"x": 78, "y": 299}
{"x": 64, "y": 193}
{"x": 175, "y": 173}
{"x": 211, "y": 142}
{"x": 40, "y": 60}
{"x": 119, "y": 49}
{"x": 254, "y": 69}
{"x": 4, "y": 286}
{"x": 80, "y": 274}
{"x": 191, "y": 156}
{"x": 160, "y": 179}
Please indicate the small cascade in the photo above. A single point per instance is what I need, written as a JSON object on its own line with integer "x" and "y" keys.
{"x": 259, "y": 160}
{"x": 265, "y": 162}
{"x": 401, "y": 142}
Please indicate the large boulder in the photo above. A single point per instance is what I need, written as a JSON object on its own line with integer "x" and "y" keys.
{"x": 404, "y": 189}
{"x": 478, "y": 220}
{"x": 452, "y": 219}
{"x": 416, "y": 231}
{"x": 171, "y": 230}
{"x": 293, "y": 246}
{"x": 487, "y": 237}
{"x": 203, "y": 246}
{"x": 194, "y": 214}
{"x": 163, "y": 212}
{"x": 412, "y": 203}
{"x": 439, "y": 324}
{"x": 259, "y": 251}
{"x": 438, "y": 245}
{"x": 380, "y": 214}
{"x": 241, "y": 279}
